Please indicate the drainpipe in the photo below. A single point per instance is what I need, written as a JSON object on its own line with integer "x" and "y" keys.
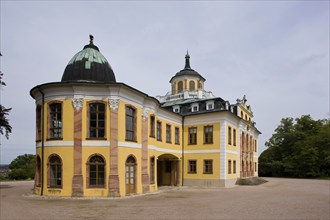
{"x": 42, "y": 141}
{"x": 182, "y": 163}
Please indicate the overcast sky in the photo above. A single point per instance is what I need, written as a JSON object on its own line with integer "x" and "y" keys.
{"x": 274, "y": 52}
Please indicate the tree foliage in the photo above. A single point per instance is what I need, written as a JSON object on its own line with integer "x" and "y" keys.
{"x": 22, "y": 167}
{"x": 5, "y": 127}
{"x": 299, "y": 148}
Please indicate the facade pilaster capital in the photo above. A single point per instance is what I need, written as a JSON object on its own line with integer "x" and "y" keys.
{"x": 145, "y": 113}
{"x": 77, "y": 103}
{"x": 114, "y": 103}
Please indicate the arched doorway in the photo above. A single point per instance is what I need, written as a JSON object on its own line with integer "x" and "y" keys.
{"x": 168, "y": 170}
{"x": 130, "y": 174}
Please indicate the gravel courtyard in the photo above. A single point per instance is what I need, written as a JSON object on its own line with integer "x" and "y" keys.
{"x": 277, "y": 199}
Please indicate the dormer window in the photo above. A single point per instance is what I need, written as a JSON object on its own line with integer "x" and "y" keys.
{"x": 209, "y": 105}
{"x": 176, "y": 109}
{"x": 194, "y": 107}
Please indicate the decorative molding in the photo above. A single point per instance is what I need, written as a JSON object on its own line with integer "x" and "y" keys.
{"x": 163, "y": 150}
{"x": 77, "y": 103}
{"x": 129, "y": 144}
{"x": 114, "y": 103}
{"x": 56, "y": 144}
{"x": 95, "y": 143}
{"x": 145, "y": 113}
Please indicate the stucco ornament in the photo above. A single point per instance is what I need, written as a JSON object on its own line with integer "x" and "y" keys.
{"x": 114, "y": 103}
{"x": 145, "y": 113}
{"x": 77, "y": 103}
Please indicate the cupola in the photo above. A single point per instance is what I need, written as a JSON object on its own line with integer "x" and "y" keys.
{"x": 89, "y": 65}
{"x": 187, "y": 79}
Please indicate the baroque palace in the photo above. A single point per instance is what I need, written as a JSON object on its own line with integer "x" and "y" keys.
{"x": 98, "y": 137}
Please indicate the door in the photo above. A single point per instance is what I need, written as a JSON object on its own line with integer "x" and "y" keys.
{"x": 130, "y": 175}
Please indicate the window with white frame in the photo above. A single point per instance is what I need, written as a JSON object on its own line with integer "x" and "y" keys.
{"x": 176, "y": 109}
{"x": 209, "y": 105}
{"x": 194, "y": 107}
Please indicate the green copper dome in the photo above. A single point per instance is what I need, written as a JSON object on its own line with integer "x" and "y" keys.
{"x": 89, "y": 65}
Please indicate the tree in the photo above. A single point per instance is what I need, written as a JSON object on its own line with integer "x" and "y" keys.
{"x": 298, "y": 148}
{"x": 22, "y": 167}
{"x": 5, "y": 127}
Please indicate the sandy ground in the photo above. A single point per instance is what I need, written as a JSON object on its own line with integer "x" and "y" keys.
{"x": 277, "y": 199}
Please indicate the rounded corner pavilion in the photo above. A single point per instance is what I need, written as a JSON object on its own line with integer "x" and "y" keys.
{"x": 98, "y": 137}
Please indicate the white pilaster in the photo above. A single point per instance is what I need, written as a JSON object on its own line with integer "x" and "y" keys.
{"x": 223, "y": 142}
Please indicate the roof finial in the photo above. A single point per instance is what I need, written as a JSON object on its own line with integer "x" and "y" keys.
{"x": 187, "y": 66}
{"x": 91, "y": 38}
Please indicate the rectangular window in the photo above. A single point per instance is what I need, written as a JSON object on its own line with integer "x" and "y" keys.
{"x": 234, "y": 137}
{"x": 96, "y": 120}
{"x": 152, "y": 126}
{"x": 192, "y": 135}
{"x": 159, "y": 131}
{"x": 229, "y": 166}
{"x": 152, "y": 170}
{"x": 130, "y": 124}
{"x": 208, "y": 134}
{"x": 247, "y": 143}
{"x": 208, "y": 166}
{"x": 168, "y": 134}
{"x": 55, "y": 122}
{"x": 255, "y": 145}
{"x": 177, "y": 135}
{"x": 192, "y": 166}
{"x": 229, "y": 135}
{"x": 38, "y": 123}
{"x": 255, "y": 166}
{"x": 234, "y": 166}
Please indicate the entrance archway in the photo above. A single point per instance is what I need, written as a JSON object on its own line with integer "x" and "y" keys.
{"x": 130, "y": 174}
{"x": 168, "y": 170}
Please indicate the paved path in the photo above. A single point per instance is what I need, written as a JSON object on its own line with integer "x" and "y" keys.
{"x": 277, "y": 199}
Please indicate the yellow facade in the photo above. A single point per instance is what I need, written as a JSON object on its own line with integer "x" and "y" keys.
{"x": 102, "y": 138}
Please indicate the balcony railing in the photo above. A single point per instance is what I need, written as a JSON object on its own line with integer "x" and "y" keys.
{"x": 186, "y": 94}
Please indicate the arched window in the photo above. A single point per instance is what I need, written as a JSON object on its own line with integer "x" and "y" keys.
{"x": 96, "y": 120}
{"x": 173, "y": 88}
{"x": 37, "y": 178}
{"x": 96, "y": 172}
{"x": 130, "y": 123}
{"x": 180, "y": 86}
{"x": 55, "y": 171}
{"x": 192, "y": 85}
{"x": 200, "y": 85}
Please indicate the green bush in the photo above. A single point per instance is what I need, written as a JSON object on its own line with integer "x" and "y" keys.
{"x": 22, "y": 167}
